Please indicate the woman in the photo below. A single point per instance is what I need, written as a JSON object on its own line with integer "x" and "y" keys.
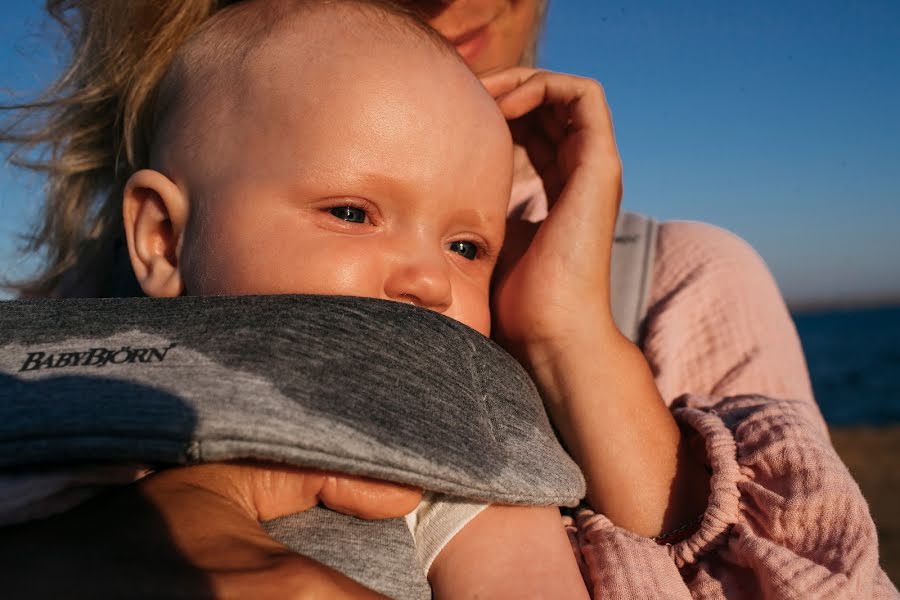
{"x": 716, "y": 327}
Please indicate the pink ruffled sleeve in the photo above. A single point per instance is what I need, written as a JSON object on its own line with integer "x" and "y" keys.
{"x": 785, "y": 519}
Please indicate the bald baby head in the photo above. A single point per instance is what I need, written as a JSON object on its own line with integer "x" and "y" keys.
{"x": 323, "y": 147}
{"x": 213, "y": 69}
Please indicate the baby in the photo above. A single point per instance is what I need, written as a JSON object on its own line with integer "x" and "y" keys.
{"x": 342, "y": 148}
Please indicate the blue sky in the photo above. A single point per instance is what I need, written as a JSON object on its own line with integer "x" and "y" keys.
{"x": 777, "y": 120}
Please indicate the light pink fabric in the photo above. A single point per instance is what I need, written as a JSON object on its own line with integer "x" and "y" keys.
{"x": 785, "y": 519}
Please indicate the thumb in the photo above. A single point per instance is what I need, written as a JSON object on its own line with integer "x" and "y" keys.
{"x": 367, "y": 498}
{"x": 267, "y": 491}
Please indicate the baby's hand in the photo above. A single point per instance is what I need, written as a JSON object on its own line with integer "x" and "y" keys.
{"x": 554, "y": 286}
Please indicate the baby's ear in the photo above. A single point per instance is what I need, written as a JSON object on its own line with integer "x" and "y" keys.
{"x": 155, "y": 213}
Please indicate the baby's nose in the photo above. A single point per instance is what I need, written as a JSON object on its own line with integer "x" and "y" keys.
{"x": 422, "y": 281}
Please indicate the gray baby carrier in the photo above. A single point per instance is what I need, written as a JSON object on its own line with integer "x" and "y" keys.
{"x": 355, "y": 385}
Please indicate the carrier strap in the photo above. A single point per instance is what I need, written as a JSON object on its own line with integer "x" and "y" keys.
{"x": 632, "y": 271}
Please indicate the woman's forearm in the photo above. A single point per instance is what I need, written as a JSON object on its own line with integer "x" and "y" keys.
{"x": 602, "y": 398}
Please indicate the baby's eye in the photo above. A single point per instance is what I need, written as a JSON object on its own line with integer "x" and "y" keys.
{"x": 466, "y": 249}
{"x": 349, "y": 213}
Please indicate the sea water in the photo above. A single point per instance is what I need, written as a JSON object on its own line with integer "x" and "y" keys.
{"x": 854, "y": 362}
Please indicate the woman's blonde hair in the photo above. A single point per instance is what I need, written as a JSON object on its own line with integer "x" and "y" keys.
{"x": 90, "y": 127}
{"x": 90, "y": 130}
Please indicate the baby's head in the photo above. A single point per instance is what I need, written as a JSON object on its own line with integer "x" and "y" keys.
{"x": 322, "y": 147}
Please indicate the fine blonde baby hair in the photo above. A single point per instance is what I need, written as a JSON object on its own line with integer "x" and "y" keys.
{"x": 88, "y": 128}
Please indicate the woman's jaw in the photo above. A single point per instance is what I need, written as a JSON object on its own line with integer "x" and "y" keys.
{"x": 490, "y": 34}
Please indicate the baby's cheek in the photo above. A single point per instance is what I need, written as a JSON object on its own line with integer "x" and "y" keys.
{"x": 224, "y": 264}
{"x": 303, "y": 269}
{"x": 484, "y": 325}
{"x": 199, "y": 270}
{"x": 472, "y": 305}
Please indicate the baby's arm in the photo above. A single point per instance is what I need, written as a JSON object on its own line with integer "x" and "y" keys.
{"x": 509, "y": 552}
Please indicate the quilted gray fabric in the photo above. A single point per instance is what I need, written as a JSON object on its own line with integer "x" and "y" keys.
{"x": 357, "y": 385}
{"x": 362, "y": 386}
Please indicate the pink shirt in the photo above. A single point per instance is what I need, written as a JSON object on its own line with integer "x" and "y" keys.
{"x": 785, "y": 518}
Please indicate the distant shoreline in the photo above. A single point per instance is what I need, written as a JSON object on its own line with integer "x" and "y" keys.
{"x": 810, "y": 307}
{"x": 871, "y": 454}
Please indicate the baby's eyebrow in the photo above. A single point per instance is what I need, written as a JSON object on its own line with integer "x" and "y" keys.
{"x": 345, "y": 173}
{"x": 491, "y": 229}
{"x": 477, "y": 219}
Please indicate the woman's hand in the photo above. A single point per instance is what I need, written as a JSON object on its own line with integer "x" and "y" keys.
{"x": 192, "y": 533}
{"x": 551, "y": 309}
{"x": 554, "y": 285}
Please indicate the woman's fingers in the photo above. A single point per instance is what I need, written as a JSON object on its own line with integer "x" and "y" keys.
{"x": 268, "y": 491}
{"x": 550, "y": 276}
{"x": 367, "y": 498}
{"x": 573, "y": 104}
{"x": 166, "y": 537}
{"x": 564, "y": 124}
{"x": 520, "y": 90}
{"x": 292, "y": 577}
{"x": 214, "y": 512}
{"x": 542, "y": 151}
{"x": 556, "y": 125}
{"x": 502, "y": 82}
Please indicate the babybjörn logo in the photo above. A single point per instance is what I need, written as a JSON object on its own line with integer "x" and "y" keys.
{"x": 95, "y": 357}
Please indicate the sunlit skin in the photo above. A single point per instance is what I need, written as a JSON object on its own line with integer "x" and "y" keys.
{"x": 350, "y": 190}
{"x": 606, "y": 406}
{"x": 379, "y": 176}
{"x": 419, "y": 216}
{"x": 489, "y": 34}
{"x": 387, "y": 176}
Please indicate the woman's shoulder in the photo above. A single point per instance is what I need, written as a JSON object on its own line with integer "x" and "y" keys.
{"x": 709, "y": 262}
{"x": 717, "y": 323}
{"x": 692, "y": 245}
